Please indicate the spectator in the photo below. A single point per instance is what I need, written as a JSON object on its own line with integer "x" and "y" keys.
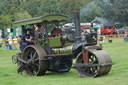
{"x": 18, "y": 39}
{"x": 83, "y": 34}
{"x": 122, "y": 31}
{"x": 6, "y": 43}
{"x": 15, "y": 42}
{"x": 1, "y": 42}
{"x": 10, "y": 42}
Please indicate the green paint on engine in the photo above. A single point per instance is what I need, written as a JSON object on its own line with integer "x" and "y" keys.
{"x": 65, "y": 50}
{"x": 54, "y": 42}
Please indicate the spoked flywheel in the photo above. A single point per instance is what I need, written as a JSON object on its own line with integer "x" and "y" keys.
{"x": 33, "y": 61}
{"x": 99, "y": 63}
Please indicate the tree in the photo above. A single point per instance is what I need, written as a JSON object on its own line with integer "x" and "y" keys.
{"x": 22, "y": 15}
{"x": 68, "y": 5}
{"x": 32, "y": 6}
{"x": 5, "y": 21}
{"x": 49, "y": 7}
{"x": 116, "y": 10}
{"x": 91, "y": 11}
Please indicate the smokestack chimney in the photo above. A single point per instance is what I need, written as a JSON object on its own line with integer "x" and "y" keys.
{"x": 91, "y": 27}
{"x": 76, "y": 13}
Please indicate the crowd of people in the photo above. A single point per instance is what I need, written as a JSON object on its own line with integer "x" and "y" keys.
{"x": 9, "y": 42}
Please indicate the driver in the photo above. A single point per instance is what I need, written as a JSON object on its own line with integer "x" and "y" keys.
{"x": 26, "y": 40}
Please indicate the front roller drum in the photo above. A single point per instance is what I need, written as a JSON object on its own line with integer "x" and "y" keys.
{"x": 99, "y": 63}
{"x": 32, "y": 61}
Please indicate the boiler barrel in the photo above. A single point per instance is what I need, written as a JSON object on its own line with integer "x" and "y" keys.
{"x": 65, "y": 50}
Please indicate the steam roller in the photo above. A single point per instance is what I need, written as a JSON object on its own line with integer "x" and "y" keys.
{"x": 56, "y": 54}
{"x": 93, "y": 62}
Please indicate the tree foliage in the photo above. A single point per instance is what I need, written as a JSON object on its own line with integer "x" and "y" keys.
{"x": 12, "y": 10}
{"x": 5, "y": 21}
{"x": 115, "y": 10}
{"x": 23, "y": 9}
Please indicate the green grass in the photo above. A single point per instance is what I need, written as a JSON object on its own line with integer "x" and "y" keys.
{"x": 118, "y": 51}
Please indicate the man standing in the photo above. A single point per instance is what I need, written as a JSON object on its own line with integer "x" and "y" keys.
{"x": 10, "y": 42}
{"x": 6, "y": 43}
{"x": 15, "y": 42}
{"x": 37, "y": 34}
{"x": 37, "y": 31}
{"x": 1, "y": 42}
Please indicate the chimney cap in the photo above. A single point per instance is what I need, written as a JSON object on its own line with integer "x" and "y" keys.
{"x": 76, "y": 10}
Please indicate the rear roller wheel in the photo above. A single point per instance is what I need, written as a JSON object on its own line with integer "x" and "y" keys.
{"x": 36, "y": 64}
{"x": 95, "y": 58}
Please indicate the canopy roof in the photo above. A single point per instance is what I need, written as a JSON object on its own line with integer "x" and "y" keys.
{"x": 41, "y": 19}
